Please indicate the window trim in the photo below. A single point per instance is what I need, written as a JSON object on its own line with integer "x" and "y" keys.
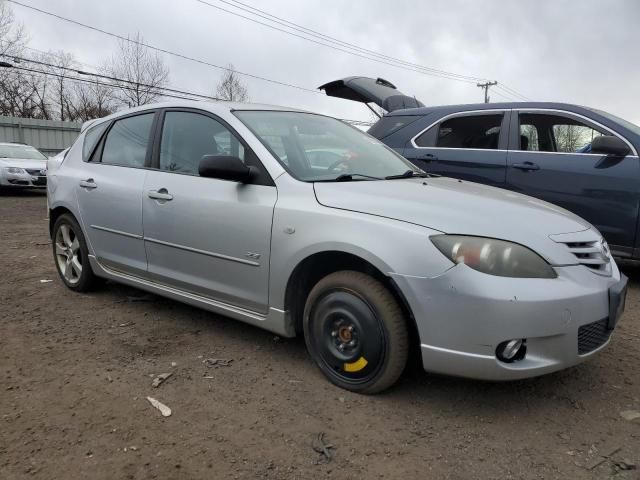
{"x": 470, "y": 113}
{"x": 634, "y": 152}
{"x": 265, "y": 178}
{"x": 96, "y": 156}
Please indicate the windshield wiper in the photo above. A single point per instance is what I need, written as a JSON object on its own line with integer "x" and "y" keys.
{"x": 348, "y": 177}
{"x": 408, "y": 174}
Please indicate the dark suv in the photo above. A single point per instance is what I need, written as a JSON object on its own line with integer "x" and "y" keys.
{"x": 582, "y": 159}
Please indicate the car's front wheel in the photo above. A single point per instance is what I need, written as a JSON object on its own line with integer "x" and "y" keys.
{"x": 71, "y": 254}
{"x": 356, "y": 332}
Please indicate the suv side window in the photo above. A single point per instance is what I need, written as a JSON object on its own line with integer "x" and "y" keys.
{"x": 472, "y": 131}
{"x": 555, "y": 133}
{"x": 188, "y": 136}
{"x": 127, "y": 141}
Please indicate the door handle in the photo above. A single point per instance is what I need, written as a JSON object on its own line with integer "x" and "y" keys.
{"x": 161, "y": 194}
{"x": 526, "y": 166}
{"x": 88, "y": 184}
{"x": 428, "y": 157}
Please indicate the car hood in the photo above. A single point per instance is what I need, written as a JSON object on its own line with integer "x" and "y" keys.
{"x": 458, "y": 207}
{"x": 23, "y": 163}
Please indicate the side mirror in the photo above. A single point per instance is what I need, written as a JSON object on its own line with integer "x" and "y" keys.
{"x": 226, "y": 167}
{"x": 610, "y": 146}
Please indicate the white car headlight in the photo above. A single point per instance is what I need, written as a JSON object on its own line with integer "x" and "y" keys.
{"x": 494, "y": 257}
{"x": 15, "y": 170}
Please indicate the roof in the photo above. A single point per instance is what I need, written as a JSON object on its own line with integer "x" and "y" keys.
{"x": 487, "y": 106}
{"x": 213, "y": 107}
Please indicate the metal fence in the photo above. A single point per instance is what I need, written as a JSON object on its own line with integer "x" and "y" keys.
{"x": 48, "y": 136}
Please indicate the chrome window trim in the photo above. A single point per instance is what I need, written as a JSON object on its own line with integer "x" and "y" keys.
{"x": 634, "y": 152}
{"x": 459, "y": 114}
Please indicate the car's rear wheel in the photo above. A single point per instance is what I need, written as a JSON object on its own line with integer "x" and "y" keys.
{"x": 356, "y": 332}
{"x": 71, "y": 254}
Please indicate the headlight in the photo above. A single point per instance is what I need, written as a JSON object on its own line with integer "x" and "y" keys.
{"x": 494, "y": 257}
{"x": 15, "y": 170}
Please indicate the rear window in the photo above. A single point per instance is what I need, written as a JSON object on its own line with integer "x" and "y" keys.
{"x": 390, "y": 124}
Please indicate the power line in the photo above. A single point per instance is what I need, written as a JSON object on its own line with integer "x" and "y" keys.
{"x": 338, "y": 44}
{"x": 159, "y": 90}
{"x": 331, "y": 39}
{"x": 115, "y": 79}
{"x": 162, "y": 50}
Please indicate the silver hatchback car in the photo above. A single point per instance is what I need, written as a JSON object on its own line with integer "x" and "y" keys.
{"x": 301, "y": 224}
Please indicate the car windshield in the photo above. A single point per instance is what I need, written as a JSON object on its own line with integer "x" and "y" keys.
{"x": 22, "y": 152}
{"x": 315, "y": 148}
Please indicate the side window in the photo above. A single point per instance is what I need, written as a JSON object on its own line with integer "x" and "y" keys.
{"x": 188, "y": 136}
{"x": 91, "y": 139}
{"x": 555, "y": 133}
{"x": 473, "y": 131}
{"x": 529, "y": 138}
{"x": 126, "y": 143}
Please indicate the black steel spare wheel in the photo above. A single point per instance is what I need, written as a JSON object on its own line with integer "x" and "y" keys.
{"x": 356, "y": 332}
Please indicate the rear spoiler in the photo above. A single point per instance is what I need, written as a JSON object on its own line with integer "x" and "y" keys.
{"x": 371, "y": 90}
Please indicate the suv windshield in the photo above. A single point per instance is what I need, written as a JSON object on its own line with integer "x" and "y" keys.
{"x": 23, "y": 152}
{"x": 315, "y": 148}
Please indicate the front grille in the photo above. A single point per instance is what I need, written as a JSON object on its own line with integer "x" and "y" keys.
{"x": 35, "y": 172}
{"x": 592, "y": 336}
{"x": 594, "y": 254}
{"x": 37, "y": 178}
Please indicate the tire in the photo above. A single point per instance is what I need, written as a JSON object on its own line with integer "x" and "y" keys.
{"x": 355, "y": 332}
{"x": 71, "y": 256}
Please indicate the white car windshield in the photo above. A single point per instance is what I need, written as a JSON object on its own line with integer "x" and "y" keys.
{"x": 22, "y": 152}
{"x": 315, "y": 148}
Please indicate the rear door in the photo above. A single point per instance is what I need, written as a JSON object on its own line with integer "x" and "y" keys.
{"x": 550, "y": 158}
{"x": 109, "y": 190}
{"x": 205, "y": 235}
{"x": 468, "y": 145}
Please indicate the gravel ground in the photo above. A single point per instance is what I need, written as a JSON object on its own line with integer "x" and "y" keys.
{"x": 76, "y": 370}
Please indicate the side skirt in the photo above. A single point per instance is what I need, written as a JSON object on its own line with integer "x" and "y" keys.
{"x": 276, "y": 320}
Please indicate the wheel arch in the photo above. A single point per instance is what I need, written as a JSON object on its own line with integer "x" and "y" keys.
{"x": 56, "y": 213}
{"x": 315, "y": 266}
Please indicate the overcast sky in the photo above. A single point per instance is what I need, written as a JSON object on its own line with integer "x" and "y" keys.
{"x": 580, "y": 51}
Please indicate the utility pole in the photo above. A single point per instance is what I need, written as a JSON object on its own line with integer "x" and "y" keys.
{"x": 486, "y": 86}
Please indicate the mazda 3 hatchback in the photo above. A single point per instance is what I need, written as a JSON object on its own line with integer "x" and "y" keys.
{"x": 302, "y": 225}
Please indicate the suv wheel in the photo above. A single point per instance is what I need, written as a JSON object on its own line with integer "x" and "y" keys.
{"x": 71, "y": 254}
{"x": 355, "y": 332}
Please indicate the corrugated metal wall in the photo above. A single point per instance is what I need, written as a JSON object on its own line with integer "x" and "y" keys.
{"x": 48, "y": 136}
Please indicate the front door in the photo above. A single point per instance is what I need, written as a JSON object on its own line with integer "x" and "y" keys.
{"x": 110, "y": 192}
{"x": 550, "y": 158}
{"x": 471, "y": 146}
{"x": 207, "y": 236}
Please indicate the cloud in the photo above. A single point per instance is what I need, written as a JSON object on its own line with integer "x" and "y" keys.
{"x": 572, "y": 51}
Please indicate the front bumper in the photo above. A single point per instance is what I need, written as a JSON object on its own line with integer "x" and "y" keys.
{"x": 463, "y": 315}
{"x": 23, "y": 180}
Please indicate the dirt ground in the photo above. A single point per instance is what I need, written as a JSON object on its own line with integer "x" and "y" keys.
{"x": 76, "y": 370}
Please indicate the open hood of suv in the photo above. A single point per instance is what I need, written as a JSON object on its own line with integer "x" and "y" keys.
{"x": 370, "y": 90}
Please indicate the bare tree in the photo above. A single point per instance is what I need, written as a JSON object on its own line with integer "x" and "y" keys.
{"x": 91, "y": 100}
{"x": 12, "y": 36}
{"x": 141, "y": 71}
{"x": 231, "y": 88}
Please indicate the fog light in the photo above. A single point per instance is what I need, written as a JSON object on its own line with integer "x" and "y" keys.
{"x": 512, "y": 350}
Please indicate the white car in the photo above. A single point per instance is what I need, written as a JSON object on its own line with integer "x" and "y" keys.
{"x": 22, "y": 166}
